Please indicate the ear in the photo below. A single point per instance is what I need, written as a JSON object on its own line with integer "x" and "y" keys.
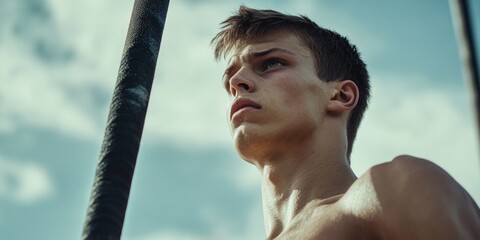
{"x": 344, "y": 97}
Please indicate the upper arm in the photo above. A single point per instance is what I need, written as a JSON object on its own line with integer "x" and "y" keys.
{"x": 419, "y": 200}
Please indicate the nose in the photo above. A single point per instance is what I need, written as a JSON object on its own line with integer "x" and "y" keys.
{"x": 242, "y": 81}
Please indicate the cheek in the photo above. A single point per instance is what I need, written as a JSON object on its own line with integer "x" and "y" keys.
{"x": 298, "y": 107}
{"x": 304, "y": 94}
{"x": 308, "y": 101}
{"x": 297, "y": 97}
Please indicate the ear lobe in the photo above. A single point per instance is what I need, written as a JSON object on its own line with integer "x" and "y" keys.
{"x": 344, "y": 98}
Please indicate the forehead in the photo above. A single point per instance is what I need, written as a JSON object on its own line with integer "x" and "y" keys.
{"x": 280, "y": 39}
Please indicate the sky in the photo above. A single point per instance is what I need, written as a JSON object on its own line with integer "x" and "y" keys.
{"x": 58, "y": 66}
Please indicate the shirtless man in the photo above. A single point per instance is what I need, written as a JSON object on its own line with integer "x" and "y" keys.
{"x": 298, "y": 94}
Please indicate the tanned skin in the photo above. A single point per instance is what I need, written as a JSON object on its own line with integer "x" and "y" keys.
{"x": 292, "y": 127}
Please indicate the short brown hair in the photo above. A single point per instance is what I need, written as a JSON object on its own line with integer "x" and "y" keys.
{"x": 336, "y": 58}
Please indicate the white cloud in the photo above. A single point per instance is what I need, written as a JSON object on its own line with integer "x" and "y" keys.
{"x": 96, "y": 30}
{"x": 181, "y": 235}
{"x": 34, "y": 91}
{"x": 218, "y": 228}
{"x": 170, "y": 235}
{"x": 31, "y": 98}
{"x": 24, "y": 182}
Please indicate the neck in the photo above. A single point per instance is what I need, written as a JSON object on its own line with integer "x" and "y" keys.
{"x": 289, "y": 183}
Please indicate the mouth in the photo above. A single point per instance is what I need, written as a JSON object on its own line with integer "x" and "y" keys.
{"x": 243, "y": 104}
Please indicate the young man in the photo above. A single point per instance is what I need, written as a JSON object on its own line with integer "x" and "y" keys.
{"x": 298, "y": 94}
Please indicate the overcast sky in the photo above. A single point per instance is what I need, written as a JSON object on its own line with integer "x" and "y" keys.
{"x": 58, "y": 66}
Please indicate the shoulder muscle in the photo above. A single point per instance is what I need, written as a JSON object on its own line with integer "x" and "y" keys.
{"x": 418, "y": 199}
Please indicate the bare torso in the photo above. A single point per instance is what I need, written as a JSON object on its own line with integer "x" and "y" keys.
{"x": 328, "y": 220}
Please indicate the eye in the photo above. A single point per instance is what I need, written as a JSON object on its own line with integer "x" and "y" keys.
{"x": 271, "y": 63}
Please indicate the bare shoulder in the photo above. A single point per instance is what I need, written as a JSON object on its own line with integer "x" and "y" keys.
{"x": 412, "y": 198}
{"x": 406, "y": 176}
{"x": 410, "y": 175}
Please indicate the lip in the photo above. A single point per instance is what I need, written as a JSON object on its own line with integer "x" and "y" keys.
{"x": 243, "y": 103}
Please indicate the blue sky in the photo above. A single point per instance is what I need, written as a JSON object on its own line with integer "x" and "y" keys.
{"x": 59, "y": 61}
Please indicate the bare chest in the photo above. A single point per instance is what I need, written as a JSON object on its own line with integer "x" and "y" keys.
{"x": 327, "y": 224}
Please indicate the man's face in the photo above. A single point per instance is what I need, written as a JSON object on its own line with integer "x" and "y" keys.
{"x": 277, "y": 100}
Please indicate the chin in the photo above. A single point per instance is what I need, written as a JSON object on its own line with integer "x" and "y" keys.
{"x": 253, "y": 142}
{"x": 244, "y": 137}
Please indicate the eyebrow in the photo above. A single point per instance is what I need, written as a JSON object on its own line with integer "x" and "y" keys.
{"x": 268, "y": 51}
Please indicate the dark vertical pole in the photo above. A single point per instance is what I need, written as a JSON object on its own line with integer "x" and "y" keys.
{"x": 111, "y": 188}
{"x": 466, "y": 45}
